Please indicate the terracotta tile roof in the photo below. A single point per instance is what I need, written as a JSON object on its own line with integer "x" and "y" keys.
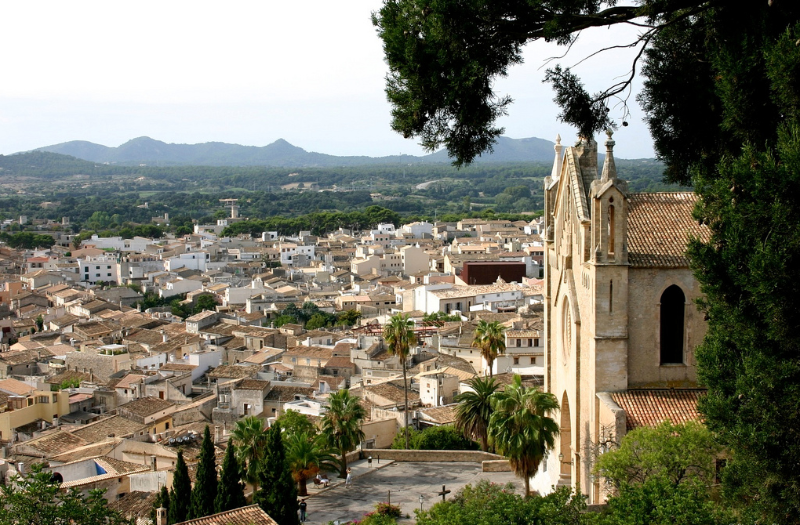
{"x": 134, "y": 504}
{"x": 659, "y": 227}
{"x": 20, "y": 357}
{"x": 313, "y": 352}
{"x": 14, "y": 387}
{"x": 264, "y": 355}
{"x": 287, "y": 393}
{"x": 234, "y": 372}
{"x": 92, "y": 450}
{"x": 178, "y": 367}
{"x": 252, "y": 384}
{"x": 250, "y": 515}
{"x": 56, "y": 443}
{"x": 100, "y": 430}
{"x": 442, "y": 415}
{"x": 652, "y": 406}
{"x": 119, "y": 466}
{"x": 146, "y": 406}
{"x": 339, "y": 362}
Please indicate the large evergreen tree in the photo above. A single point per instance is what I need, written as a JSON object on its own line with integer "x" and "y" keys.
{"x": 181, "y": 492}
{"x": 162, "y": 501}
{"x": 230, "y": 492}
{"x": 278, "y": 493}
{"x": 341, "y": 425}
{"x": 205, "y": 486}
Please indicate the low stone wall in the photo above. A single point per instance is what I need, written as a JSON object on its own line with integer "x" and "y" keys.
{"x": 438, "y": 456}
{"x": 496, "y": 465}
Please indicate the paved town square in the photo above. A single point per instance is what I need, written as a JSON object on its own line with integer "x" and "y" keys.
{"x": 402, "y": 482}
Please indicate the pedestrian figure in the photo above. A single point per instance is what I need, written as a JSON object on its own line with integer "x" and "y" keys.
{"x": 349, "y": 480}
{"x": 303, "y": 507}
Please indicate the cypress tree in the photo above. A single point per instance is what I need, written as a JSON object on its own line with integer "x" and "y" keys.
{"x": 162, "y": 500}
{"x": 181, "y": 492}
{"x": 230, "y": 493}
{"x": 205, "y": 485}
{"x": 165, "y": 499}
{"x": 278, "y": 493}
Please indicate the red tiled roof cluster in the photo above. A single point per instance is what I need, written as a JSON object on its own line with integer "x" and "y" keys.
{"x": 650, "y": 407}
{"x": 659, "y": 228}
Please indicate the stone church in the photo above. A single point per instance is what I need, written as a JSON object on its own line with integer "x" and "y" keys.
{"x": 620, "y": 320}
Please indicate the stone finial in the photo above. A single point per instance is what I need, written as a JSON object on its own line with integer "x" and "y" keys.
{"x": 609, "y": 166}
{"x": 558, "y": 148}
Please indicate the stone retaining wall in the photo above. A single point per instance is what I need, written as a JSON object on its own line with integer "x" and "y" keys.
{"x": 498, "y": 465}
{"x": 438, "y": 456}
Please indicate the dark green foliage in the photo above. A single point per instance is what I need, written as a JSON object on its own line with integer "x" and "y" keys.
{"x": 293, "y": 422}
{"x": 36, "y": 499}
{"x": 278, "y": 493}
{"x": 27, "y": 240}
{"x": 348, "y": 317}
{"x": 445, "y": 56}
{"x": 181, "y": 492}
{"x": 678, "y": 453}
{"x": 204, "y": 491}
{"x": 161, "y": 501}
{"x": 341, "y": 425}
{"x": 320, "y": 320}
{"x": 521, "y": 428}
{"x": 493, "y": 504}
{"x": 660, "y": 502}
{"x": 748, "y": 359}
{"x": 475, "y": 409}
{"x": 230, "y": 492}
{"x": 435, "y": 438}
{"x": 440, "y": 317}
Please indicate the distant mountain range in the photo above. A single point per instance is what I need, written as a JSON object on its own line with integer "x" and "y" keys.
{"x": 144, "y": 150}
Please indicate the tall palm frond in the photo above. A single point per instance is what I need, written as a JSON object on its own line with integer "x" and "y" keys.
{"x": 399, "y": 336}
{"x": 521, "y": 429}
{"x": 341, "y": 424}
{"x": 306, "y": 456}
{"x": 490, "y": 338}
{"x": 250, "y": 438}
{"x": 475, "y": 408}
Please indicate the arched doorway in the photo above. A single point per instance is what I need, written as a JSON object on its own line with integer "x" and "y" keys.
{"x": 565, "y": 454}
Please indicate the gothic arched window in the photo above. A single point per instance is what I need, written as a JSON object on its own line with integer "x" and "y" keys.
{"x": 673, "y": 304}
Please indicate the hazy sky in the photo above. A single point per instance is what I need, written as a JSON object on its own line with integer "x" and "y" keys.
{"x": 247, "y": 72}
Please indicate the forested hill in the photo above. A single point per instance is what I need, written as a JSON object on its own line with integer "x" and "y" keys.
{"x": 144, "y": 150}
{"x": 42, "y": 164}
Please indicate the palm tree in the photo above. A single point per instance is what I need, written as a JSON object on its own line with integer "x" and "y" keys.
{"x": 520, "y": 428}
{"x": 341, "y": 425}
{"x": 475, "y": 408}
{"x": 399, "y": 335}
{"x": 250, "y": 438}
{"x": 490, "y": 338}
{"x": 306, "y": 456}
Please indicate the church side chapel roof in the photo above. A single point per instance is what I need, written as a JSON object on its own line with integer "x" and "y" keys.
{"x": 659, "y": 228}
{"x": 649, "y": 407}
